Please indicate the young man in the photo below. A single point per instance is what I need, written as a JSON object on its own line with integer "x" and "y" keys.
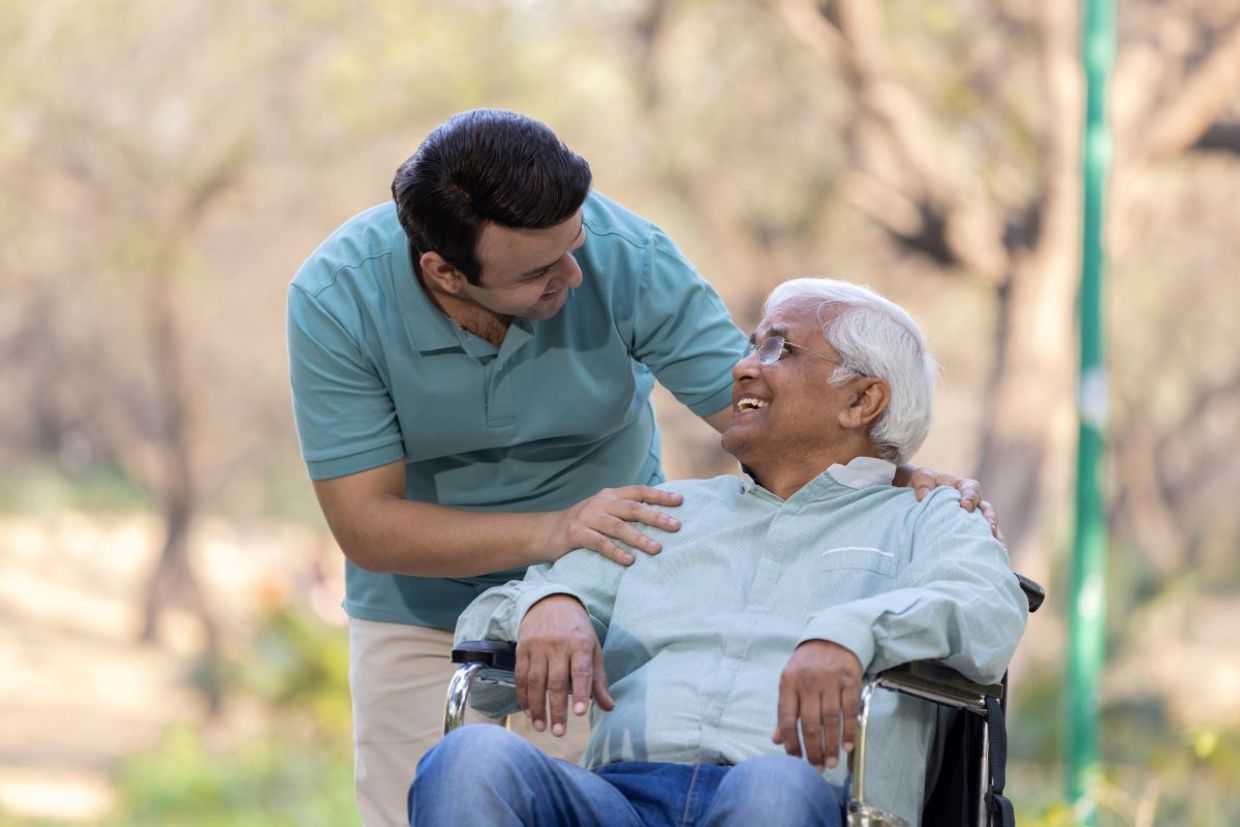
{"x": 741, "y": 647}
{"x": 470, "y": 364}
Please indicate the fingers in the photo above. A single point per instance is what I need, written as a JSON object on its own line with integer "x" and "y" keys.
{"x": 851, "y": 699}
{"x": 535, "y": 700}
{"x": 520, "y": 676}
{"x": 612, "y": 517}
{"x": 970, "y": 493}
{"x": 646, "y": 494}
{"x": 604, "y": 546}
{"x": 786, "y": 724}
{"x": 602, "y": 693}
{"x": 922, "y": 482}
{"x": 557, "y": 695}
{"x": 812, "y": 731}
{"x": 988, "y": 511}
{"x": 582, "y": 677}
{"x": 820, "y": 686}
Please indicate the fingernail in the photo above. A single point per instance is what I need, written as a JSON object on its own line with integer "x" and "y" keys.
{"x": 557, "y": 730}
{"x": 832, "y": 761}
{"x": 627, "y": 559}
{"x": 848, "y": 745}
{"x": 579, "y": 708}
{"x": 539, "y": 726}
{"x": 671, "y": 523}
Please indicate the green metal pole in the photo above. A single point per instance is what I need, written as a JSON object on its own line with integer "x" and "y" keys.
{"x": 1088, "y": 598}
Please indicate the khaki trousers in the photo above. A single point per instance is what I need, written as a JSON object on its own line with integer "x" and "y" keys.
{"x": 398, "y": 675}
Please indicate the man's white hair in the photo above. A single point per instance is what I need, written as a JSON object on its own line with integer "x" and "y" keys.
{"x": 873, "y": 337}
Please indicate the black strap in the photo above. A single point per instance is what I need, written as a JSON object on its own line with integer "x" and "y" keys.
{"x": 1001, "y": 811}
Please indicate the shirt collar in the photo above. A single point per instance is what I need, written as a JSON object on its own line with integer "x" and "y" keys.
{"x": 862, "y": 472}
{"x": 428, "y": 328}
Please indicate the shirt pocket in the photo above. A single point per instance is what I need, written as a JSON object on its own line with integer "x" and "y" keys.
{"x": 859, "y": 558}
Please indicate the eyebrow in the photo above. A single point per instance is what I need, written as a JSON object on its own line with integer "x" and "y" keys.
{"x": 538, "y": 271}
{"x": 771, "y": 331}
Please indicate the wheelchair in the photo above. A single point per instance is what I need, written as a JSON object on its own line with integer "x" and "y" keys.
{"x": 967, "y": 790}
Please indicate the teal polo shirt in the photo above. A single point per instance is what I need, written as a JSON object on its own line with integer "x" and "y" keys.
{"x": 559, "y": 411}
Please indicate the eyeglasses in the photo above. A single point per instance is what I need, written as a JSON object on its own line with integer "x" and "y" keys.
{"x": 776, "y": 347}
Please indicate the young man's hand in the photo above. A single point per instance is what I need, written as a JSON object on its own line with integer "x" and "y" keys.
{"x": 925, "y": 480}
{"x": 558, "y": 652}
{"x": 596, "y": 523}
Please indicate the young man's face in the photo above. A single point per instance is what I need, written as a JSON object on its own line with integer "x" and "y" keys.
{"x": 527, "y": 273}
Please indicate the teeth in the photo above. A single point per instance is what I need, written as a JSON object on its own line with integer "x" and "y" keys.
{"x": 750, "y": 404}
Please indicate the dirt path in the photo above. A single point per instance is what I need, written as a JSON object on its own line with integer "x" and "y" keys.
{"x": 77, "y": 691}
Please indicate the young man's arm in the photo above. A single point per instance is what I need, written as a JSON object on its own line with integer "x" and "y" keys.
{"x": 378, "y": 529}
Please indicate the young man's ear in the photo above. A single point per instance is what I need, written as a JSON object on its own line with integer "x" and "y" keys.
{"x": 867, "y": 398}
{"x": 439, "y": 274}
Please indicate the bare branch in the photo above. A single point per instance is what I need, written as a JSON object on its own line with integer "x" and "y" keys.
{"x": 1201, "y": 100}
{"x": 809, "y": 25}
{"x": 901, "y": 185}
{"x": 1221, "y": 137}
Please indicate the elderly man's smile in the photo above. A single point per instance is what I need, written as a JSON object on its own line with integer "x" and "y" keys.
{"x": 750, "y": 403}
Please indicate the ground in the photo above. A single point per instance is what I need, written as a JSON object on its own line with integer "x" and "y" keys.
{"x": 78, "y": 691}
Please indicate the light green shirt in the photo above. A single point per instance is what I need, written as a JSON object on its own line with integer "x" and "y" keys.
{"x": 695, "y": 638}
{"x": 559, "y": 411}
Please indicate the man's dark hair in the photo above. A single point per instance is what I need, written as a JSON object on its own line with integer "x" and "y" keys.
{"x": 485, "y": 165}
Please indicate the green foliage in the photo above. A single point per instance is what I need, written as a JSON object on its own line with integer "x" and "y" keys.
{"x": 301, "y": 666}
{"x": 1153, "y": 767}
{"x": 271, "y": 781}
{"x": 297, "y": 770}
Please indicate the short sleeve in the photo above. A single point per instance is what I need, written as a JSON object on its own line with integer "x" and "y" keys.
{"x": 346, "y": 420}
{"x": 682, "y": 331}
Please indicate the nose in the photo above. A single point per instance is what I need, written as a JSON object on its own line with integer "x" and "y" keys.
{"x": 570, "y": 275}
{"x": 746, "y": 367}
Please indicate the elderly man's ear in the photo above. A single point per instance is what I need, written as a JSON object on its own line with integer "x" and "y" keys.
{"x": 867, "y": 398}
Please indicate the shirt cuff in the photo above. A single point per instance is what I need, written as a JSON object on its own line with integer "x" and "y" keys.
{"x": 840, "y": 629}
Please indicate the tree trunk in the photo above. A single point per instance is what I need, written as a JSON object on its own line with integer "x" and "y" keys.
{"x": 173, "y": 581}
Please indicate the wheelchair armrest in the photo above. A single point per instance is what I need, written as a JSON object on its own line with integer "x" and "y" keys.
{"x": 486, "y": 661}
{"x": 1033, "y": 590}
{"x": 495, "y": 654}
{"x": 940, "y": 684}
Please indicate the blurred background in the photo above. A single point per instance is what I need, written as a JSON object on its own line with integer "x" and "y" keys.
{"x": 171, "y": 644}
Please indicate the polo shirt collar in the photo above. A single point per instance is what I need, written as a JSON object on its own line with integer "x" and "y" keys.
{"x": 427, "y": 327}
{"x": 430, "y": 329}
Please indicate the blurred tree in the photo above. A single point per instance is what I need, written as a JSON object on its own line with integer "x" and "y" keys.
{"x": 128, "y": 160}
{"x": 938, "y": 189}
{"x": 954, "y": 128}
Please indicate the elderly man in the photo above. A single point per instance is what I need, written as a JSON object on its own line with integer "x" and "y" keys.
{"x": 751, "y": 630}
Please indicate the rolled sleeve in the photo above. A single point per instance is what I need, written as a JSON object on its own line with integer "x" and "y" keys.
{"x": 346, "y": 420}
{"x": 682, "y": 331}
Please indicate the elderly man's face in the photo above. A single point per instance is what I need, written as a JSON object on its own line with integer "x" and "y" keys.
{"x": 788, "y": 409}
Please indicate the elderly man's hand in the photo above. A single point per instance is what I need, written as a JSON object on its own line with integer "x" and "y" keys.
{"x": 557, "y": 650}
{"x": 925, "y": 480}
{"x": 820, "y": 687}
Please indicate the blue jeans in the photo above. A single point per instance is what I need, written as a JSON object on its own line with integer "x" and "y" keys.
{"x": 486, "y": 776}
